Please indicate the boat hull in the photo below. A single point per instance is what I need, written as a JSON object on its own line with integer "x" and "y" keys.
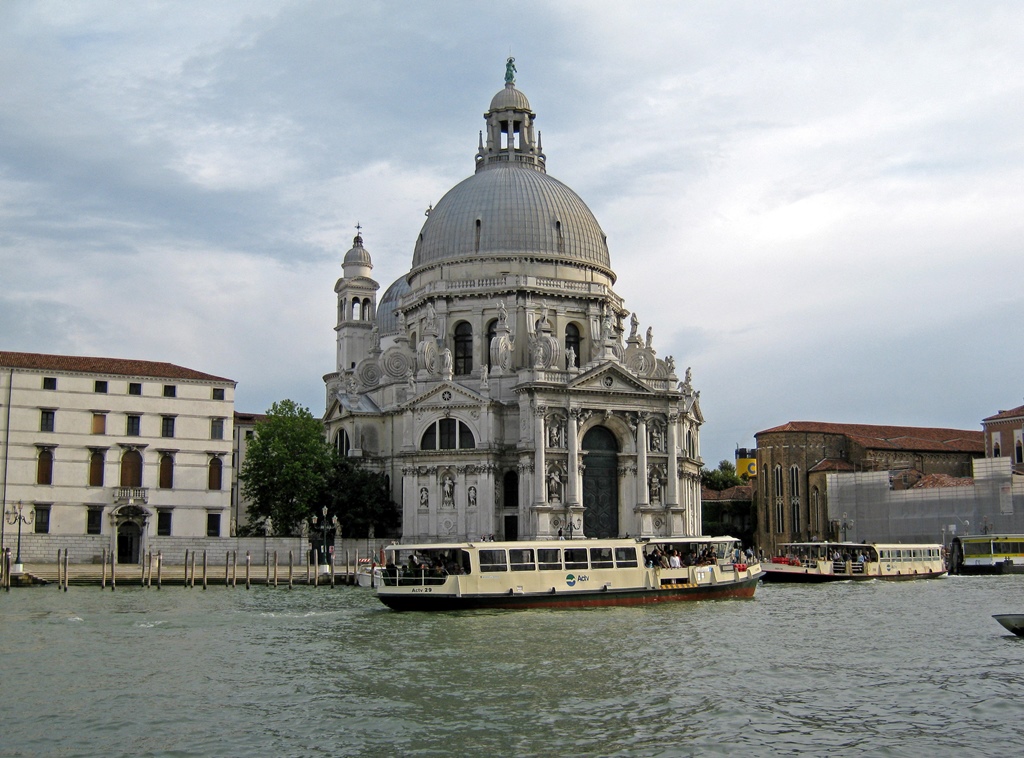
{"x": 813, "y": 576}
{"x": 1013, "y": 622}
{"x": 433, "y": 601}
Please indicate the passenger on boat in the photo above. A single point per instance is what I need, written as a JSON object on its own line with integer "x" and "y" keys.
{"x": 674, "y": 561}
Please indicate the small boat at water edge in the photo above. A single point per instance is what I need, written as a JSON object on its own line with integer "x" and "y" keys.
{"x": 1013, "y": 622}
{"x": 368, "y": 574}
{"x": 809, "y": 562}
{"x": 564, "y": 573}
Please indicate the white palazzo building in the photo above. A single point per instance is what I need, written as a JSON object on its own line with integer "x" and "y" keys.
{"x": 501, "y": 384}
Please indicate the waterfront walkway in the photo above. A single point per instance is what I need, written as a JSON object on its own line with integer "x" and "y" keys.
{"x": 88, "y": 574}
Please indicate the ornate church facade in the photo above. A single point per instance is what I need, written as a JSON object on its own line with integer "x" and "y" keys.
{"x": 501, "y": 385}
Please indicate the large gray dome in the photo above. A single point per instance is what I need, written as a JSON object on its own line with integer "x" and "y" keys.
{"x": 510, "y": 211}
{"x": 387, "y": 315}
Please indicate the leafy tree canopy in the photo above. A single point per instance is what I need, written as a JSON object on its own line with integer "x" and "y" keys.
{"x": 721, "y": 478}
{"x": 287, "y": 469}
{"x": 361, "y": 500}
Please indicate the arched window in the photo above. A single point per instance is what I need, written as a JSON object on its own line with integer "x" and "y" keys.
{"x": 342, "y": 443}
{"x": 356, "y": 309}
{"x": 815, "y": 511}
{"x": 131, "y": 469}
{"x": 780, "y": 503}
{"x": 572, "y": 340}
{"x": 96, "y": 463}
{"x": 367, "y": 310}
{"x": 476, "y": 240}
{"x": 214, "y": 475}
{"x": 44, "y": 467}
{"x": 463, "y": 348}
{"x": 447, "y": 434}
{"x": 492, "y": 332}
{"x": 166, "y": 471}
{"x": 341, "y": 309}
{"x": 1019, "y": 453}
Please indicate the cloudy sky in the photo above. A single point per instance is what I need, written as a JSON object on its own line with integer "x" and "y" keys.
{"x": 819, "y": 207}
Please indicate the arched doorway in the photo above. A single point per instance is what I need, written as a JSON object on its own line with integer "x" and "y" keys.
{"x": 129, "y": 525}
{"x": 601, "y": 484}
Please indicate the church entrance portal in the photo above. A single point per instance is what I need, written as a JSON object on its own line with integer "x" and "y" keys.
{"x": 601, "y": 484}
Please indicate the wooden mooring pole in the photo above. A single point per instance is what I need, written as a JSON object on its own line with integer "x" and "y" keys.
{"x": 159, "y": 568}
{"x": 248, "y": 568}
{"x": 291, "y": 566}
{"x": 103, "y": 576}
{"x": 65, "y": 569}
{"x": 193, "y": 568}
{"x": 204, "y": 569}
{"x": 113, "y": 569}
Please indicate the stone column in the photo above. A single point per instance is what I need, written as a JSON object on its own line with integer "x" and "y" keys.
{"x": 572, "y": 494}
{"x": 642, "y": 493}
{"x": 539, "y": 467}
{"x": 672, "y": 496}
{"x": 410, "y": 503}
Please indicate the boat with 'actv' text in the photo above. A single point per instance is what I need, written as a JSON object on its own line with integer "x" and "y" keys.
{"x": 564, "y": 573}
{"x": 845, "y": 561}
{"x": 987, "y": 554}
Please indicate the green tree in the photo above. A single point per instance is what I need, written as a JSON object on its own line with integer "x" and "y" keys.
{"x": 361, "y": 500}
{"x": 287, "y": 469}
{"x": 721, "y": 478}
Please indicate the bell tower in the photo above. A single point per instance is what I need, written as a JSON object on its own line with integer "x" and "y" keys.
{"x": 357, "y": 306}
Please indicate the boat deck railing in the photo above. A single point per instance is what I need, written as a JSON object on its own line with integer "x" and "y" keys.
{"x": 414, "y": 579}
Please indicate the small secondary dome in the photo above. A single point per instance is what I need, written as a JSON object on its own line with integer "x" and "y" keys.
{"x": 508, "y": 99}
{"x": 358, "y": 254}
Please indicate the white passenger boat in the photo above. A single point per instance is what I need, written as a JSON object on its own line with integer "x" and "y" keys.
{"x": 843, "y": 561}
{"x": 987, "y": 554}
{"x": 368, "y": 574}
{"x": 559, "y": 573}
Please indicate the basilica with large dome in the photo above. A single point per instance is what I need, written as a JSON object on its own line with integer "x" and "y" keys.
{"x": 501, "y": 385}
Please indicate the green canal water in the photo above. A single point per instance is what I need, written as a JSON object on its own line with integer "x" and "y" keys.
{"x": 892, "y": 669}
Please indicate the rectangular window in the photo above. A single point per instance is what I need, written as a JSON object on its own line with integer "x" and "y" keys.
{"x": 167, "y": 426}
{"x": 218, "y": 393}
{"x": 134, "y": 388}
{"x": 47, "y": 419}
{"x": 625, "y": 557}
{"x": 163, "y": 523}
{"x": 42, "y": 519}
{"x": 217, "y": 429}
{"x": 601, "y": 557}
{"x": 213, "y": 525}
{"x": 493, "y": 560}
{"x": 249, "y": 434}
{"x": 49, "y": 382}
{"x": 133, "y": 425}
{"x": 550, "y": 559}
{"x": 522, "y": 559}
{"x": 99, "y": 423}
{"x": 94, "y": 521}
{"x": 170, "y": 390}
{"x": 100, "y": 386}
{"x": 576, "y": 558}
{"x": 447, "y": 428}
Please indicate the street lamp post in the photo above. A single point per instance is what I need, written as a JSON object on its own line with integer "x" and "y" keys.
{"x": 324, "y": 562}
{"x": 17, "y": 516}
{"x": 845, "y": 524}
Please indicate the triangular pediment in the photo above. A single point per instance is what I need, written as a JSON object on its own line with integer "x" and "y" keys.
{"x": 445, "y": 395}
{"x": 343, "y": 404}
{"x": 610, "y": 377}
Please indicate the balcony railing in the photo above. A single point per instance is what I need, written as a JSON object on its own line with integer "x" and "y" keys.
{"x": 131, "y": 494}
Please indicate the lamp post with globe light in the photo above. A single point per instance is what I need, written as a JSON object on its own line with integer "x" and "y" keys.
{"x": 324, "y": 523}
{"x": 16, "y": 515}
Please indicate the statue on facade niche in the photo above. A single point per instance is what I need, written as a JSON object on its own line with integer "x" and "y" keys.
{"x": 446, "y": 362}
{"x": 655, "y": 439}
{"x": 485, "y": 383}
{"x": 471, "y": 493}
{"x": 554, "y": 488}
{"x": 570, "y": 357}
{"x": 424, "y": 497}
{"x": 431, "y": 317}
{"x": 655, "y": 488}
{"x": 554, "y": 434}
{"x": 670, "y": 364}
{"x": 502, "y": 313}
{"x": 448, "y": 492}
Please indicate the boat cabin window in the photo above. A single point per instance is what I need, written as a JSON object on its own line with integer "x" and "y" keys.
{"x": 522, "y": 559}
{"x": 576, "y": 558}
{"x": 549, "y": 559}
{"x": 493, "y": 560}
{"x": 601, "y": 558}
{"x": 625, "y": 557}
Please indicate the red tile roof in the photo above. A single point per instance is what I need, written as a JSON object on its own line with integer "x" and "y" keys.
{"x": 832, "y": 464}
{"x": 1012, "y": 413}
{"x": 931, "y": 481}
{"x": 892, "y": 437}
{"x": 249, "y": 418}
{"x": 743, "y": 492}
{"x": 116, "y": 366}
